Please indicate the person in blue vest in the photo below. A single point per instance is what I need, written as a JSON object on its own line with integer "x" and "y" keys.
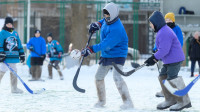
{"x": 54, "y": 52}
{"x": 114, "y": 48}
{"x": 11, "y": 51}
{"x": 170, "y": 20}
{"x": 37, "y": 46}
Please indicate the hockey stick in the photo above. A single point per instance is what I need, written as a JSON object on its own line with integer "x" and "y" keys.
{"x": 78, "y": 70}
{"x": 27, "y": 88}
{"x": 182, "y": 92}
{"x": 130, "y": 72}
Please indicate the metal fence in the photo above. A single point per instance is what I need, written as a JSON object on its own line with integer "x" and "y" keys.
{"x": 55, "y": 15}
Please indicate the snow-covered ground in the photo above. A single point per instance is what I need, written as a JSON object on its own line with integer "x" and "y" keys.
{"x": 60, "y": 96}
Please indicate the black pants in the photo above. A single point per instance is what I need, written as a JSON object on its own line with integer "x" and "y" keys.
{"x": 193, "y": 62}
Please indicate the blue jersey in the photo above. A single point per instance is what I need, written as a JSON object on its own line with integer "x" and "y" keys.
{"x": 54, "y": 48}
{"x": 114, "y": 40}
{"x": 10, "y": 44}
{"x": 39, "y": 46}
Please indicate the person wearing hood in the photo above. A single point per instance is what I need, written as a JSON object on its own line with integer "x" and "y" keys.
{"x": 11, "y": 51}
{"x": 171, "y": 54}
{"x": 170, "y": 20}
{"x": 114, "y": 48}
{"x": 37, "y": 46}
{"x": 54, "y": 52}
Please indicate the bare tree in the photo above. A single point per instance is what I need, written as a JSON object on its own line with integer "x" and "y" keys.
{"x": 79, "y": 21}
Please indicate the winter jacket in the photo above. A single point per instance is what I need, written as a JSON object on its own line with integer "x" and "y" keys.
{"x": 169, "y": 48}
{"x": 54, "y": 48}
{"x": 11, "y": 45}
{"x": 39, "y": 46}
{"x": 178, "y": 32}
{"x": 194, "y": 49}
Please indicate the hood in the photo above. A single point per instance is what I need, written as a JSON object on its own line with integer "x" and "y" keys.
{"x": 113, "y": 10}
{"x": 157, "y": 19}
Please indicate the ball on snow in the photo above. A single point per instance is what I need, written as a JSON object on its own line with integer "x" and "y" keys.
{"x": 75, "y": 54}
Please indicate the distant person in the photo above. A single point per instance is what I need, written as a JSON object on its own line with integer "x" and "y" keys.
{"x": 194, "y": 51}
{"x": 170, "y": 20}
{"x": 54, "y": 52}
{"x": 37, "y": 46}
{"x": 11, "y": 51}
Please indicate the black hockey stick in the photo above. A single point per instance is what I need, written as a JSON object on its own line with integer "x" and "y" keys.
{"x": 78, "y": 70}
{"x": 130, "y": 72}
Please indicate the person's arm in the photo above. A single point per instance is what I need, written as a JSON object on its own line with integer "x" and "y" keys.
{"x": 179, "y": 35}
{"x": 165, "y": 43}
{"x": 1, "y": 42}
{"x": 29, "y": 44}
{"x": 20, "y": 47}
{"x": 43, "y": 47}
{"x": 112, "y": 39}
{"x": 58, "y": 47}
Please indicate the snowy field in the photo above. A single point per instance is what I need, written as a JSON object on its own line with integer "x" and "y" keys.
{"x": 60, "y": 96}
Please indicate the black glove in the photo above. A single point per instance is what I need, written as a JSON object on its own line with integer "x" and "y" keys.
{"x": 22, "y": 57}
{"x": 43, "y": 57}
{"x": 2, "y": 56}
{"x": 154, "y": 51}
{"x": 31, "y": 48}
{"x": 87, "y": 51}
{"x": 94, "y": 27}
{"x": 151, "y": 61}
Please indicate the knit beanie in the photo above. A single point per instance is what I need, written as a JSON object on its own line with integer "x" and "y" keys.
{"x": 171, "y": 16}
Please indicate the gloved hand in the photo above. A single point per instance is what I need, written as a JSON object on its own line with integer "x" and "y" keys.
{"x": 22, "y": 57}
{"x": 31, "y": 48}
{"x": 87, "y": 51}
{"x": 43, "y": 56}
{"x": 151, "y": 61}
{"x": 60, "y": 55}
{"x": 2, "y": 56}
{"x": 94, "y": 27}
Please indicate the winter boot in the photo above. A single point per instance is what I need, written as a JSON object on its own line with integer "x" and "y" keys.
{"x": 192, "y": 75}
{"x": 169, "y": 98}
{"x": 182, "y": 102}
{"x": 160, "y": 94}
{"x": 50, "y": 71}
{"x": 123, "y": 90}
{"x": 60, "y": 73}
{"x": 13, "y": 80}
{"x": 38, "y": 72}
{"x": 33, "y": 72}
{"x": 101, "y": 93}
{"x": 1, "y": 75}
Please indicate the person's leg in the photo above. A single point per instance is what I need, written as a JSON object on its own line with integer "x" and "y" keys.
{"x": 122, "y": 88}
{"x": 169, "y": 99}
{"x": 178, "y": 83}
{"x": 33, "y": 71}
{"x": 199, "y": 66}
{"x": 192, "y": 67}
{"x": 13, "y": 80}
{"x": 58, "y": 69}
{"x": 3, "y": 69}
{"x": 100, "y": 85}
{"x": 50, "y": 69}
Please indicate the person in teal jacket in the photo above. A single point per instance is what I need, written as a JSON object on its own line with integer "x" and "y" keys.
{"x": 54, "y": 52}
{"x": 114, "y": 47}
{"x": 11, "y": 51}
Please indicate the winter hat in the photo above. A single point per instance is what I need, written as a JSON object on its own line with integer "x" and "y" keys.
{"x": 8, "y": 20}
{"x": 37, "y": 31}
{"x": 50, "y": 35}
{"x": 171, "y": 16}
